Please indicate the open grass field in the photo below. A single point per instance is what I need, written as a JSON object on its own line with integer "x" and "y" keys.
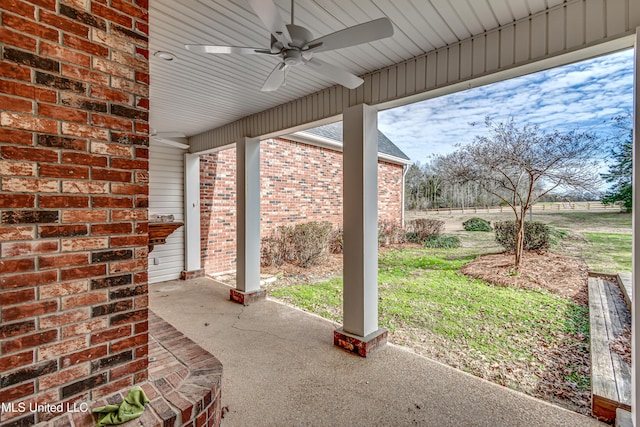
{"x": 601, "y": 238}
{"x": 608, "y": 252}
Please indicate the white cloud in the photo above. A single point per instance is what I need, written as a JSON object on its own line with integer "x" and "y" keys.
{"x": 584, "y": 96}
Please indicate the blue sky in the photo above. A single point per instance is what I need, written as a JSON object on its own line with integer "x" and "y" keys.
{"x": 584, "y": 96}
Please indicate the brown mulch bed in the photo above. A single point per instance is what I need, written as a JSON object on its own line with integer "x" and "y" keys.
{"x": 622, "y": 345}
{"x": 538, "y": 270}
{"x": 289, "y": 273}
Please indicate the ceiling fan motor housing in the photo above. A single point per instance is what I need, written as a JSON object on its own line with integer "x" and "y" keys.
{"x": 300, "y": 37}
{"x": 292, "y": 57}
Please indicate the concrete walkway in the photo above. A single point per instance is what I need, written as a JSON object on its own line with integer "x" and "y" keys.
{"x": 281, "y": 369}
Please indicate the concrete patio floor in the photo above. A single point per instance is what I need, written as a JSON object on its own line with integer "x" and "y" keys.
{"x": 281, "y": 369}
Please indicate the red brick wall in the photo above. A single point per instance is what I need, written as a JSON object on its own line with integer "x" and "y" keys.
{"x": 73, "y": 200}
{"x": 389, "y": 192}
{"x": 218, "y": 211}
{"x": 299, "y": 183}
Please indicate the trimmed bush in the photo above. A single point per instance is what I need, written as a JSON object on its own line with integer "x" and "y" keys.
{"x": 304, "y": 244}
{"x": 390, "y": 232}
{"x": 506, "y": 234}
{"x": 477, "y": 224}
{"x": 556, "y": 235}
{"x": 442, "y": 242}
{"x": 277, "y": 248}
{"x": 421, "y": 229}
{"x": 310, "y": 242}
{"x": 536, "y": 235}
{"x": 269, "y": 253}
{"x": 336, "y": 240}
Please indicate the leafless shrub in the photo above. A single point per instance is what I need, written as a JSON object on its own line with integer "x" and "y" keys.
{"x": 311, "y": 242}
{"x": 390, "y": 232}
{"x": 421, "y": 229}
{"x": 277, "y": 248}
{"x": 336, "y": 240}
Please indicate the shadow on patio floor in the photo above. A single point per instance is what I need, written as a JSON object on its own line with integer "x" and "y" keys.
{"x": 281, "y": 368}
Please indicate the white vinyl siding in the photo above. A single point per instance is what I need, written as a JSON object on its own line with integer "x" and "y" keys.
{"x": 166, "y": 197}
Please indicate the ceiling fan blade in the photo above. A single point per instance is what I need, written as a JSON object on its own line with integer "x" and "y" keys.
{"x": 270, "y": 17}
{"x": 275, "y": 79}
{"x": 352, "y": 36}
{"x": 335, "y": 74}
{"x": 203, "y": 48}
{"x": 168, "y": 135}
{"x": 172, "y": 142}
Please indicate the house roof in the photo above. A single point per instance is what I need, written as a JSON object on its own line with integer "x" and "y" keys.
{"x": 333, "y": 131}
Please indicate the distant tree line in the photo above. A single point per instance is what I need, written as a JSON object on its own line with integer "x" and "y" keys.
{"x": 428, "y": 187}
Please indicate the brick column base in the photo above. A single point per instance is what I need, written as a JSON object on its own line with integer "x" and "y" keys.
{"x": 193, "y": 274}
{"x": 362, "y": 346}
{"x": 246, "y": 298}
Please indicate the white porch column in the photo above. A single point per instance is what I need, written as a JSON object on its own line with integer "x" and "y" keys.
{"x": 248, "y": 222}
{"x": 193, "y": 267}
{"x": 360, "y": 332}
{"x": 635, "y": 315}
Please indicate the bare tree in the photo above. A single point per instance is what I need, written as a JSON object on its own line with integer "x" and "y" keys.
{"x": 521, "y": 165}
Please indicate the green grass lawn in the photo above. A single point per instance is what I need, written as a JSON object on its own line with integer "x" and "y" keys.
{"x": 608, "y": 252}
{"x": 581, "y": 221}
{"x": 605, "y": 244}
{"x": 423, "y": 297}
{"x": 532, "y": 341}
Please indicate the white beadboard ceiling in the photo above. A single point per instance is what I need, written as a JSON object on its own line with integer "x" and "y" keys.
{"x": 198, "y": 92}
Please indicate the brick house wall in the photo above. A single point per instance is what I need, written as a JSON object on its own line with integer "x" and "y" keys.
{"x": 299, "y": 183}
{"x": 390, "y": 192}
{"x": 73, "y": 200}
{"x": 218, "y": 211}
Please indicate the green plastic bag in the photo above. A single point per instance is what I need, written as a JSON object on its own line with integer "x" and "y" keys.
{"x": 129, "y": 409}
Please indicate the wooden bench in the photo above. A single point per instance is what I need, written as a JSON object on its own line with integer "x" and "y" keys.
{"x": 610, "y": 374}
{"x": 624, "y": 279}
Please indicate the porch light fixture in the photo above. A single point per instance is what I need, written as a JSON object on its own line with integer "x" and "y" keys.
{"x": 167, "y": 56}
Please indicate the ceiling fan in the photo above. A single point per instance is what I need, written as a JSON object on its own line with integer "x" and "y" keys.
{"x": 295, "y": 45}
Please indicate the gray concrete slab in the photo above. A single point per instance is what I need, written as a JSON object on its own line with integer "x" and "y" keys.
{"x": 281, "y": 369}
